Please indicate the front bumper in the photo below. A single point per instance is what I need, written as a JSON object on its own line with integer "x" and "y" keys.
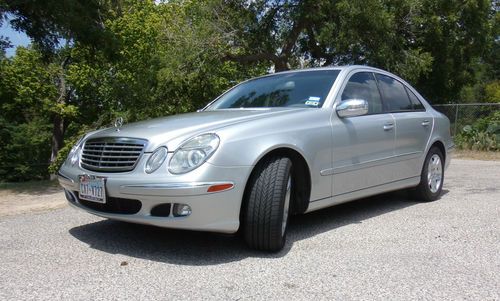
{"x": 211, "y": 211}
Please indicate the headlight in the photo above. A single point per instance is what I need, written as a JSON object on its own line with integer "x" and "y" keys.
{"x": 156, "y": 159}
{"x": 193, "y": 153}
{"x": 74, "y": 153}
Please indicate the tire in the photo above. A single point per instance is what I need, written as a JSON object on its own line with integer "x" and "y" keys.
{"x": 432, "y": 177}
{"x": 267, "y": 204}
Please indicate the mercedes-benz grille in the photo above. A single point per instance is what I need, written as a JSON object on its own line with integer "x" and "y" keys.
{"x": 112, "y": 154}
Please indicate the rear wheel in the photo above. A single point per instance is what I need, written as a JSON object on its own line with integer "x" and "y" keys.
{"x": 268, "y": 204}
{"x": 432, "y": 177}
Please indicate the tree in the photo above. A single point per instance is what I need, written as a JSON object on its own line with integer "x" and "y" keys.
{"x": 26, "y": 93}
{"x": 458, "y": 35}
{"x": 98, "y": 59}
{"x": 433, "y": 44}
{"x": 47, "y": 22}
{"x": 4, "y": 41}
{"x": 293, "y": 34}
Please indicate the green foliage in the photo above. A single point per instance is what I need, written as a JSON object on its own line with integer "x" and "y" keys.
{"x": 69, "y": 142}
{"x": 26, "y": 90}
{"x": 192, "y": 51}
{"x": 139, "y": 59}
{"x": 377, "y": 33}
{"x": 27, "y": 85}
{"x": 456, "y": 34}
{"x": 25, "y": 150}
{"x": 484, "y": 134}
{"x": 48, "y": 21}
{"x": 492, "y": 92}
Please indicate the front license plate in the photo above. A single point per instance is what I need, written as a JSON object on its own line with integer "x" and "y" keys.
{"x": 92, "y": 189}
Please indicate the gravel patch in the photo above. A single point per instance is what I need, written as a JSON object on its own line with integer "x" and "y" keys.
{"x": 382, "y": 248}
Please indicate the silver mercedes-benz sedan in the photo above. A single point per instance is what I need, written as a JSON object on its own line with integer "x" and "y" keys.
{"x": 282, "y": 144}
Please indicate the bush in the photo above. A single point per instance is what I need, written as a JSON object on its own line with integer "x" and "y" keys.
{"x": 483, "y": 134}
{"x": 62, "y": 155}
{"x": 68, "y": 145}
{"x": 24, "y": 150}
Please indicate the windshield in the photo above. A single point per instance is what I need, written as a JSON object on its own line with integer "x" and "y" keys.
{"x": 296, "y": 89}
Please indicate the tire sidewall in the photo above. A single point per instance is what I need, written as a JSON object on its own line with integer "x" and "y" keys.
{"x": 424, "y": 186}
{"x": 265, "y": 204}
{"x": 282, "y": 205}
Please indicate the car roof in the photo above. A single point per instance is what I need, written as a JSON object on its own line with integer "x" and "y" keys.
{"x": 347, "y": 69}
{"x": 340, "y": 68}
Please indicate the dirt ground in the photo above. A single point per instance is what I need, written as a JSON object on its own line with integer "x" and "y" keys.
{"x": 477, "y": 155}
{"x": 18, "y": 198}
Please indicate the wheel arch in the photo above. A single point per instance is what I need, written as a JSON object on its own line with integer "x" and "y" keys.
{"x": 300, "y": 172}
{"x": 440, "y": 145}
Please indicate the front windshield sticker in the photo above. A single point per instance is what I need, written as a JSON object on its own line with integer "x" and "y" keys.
{"x": 313, "y": 101}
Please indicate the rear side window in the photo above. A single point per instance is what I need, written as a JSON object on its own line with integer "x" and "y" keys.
{"x": 362, "y": 85}
{"x": 394, "y": 93}
{"x": 417, "y": 105}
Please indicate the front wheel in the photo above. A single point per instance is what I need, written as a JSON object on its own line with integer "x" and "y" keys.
{"x": 432, "y": 177}
{"x": 268, "y": 204}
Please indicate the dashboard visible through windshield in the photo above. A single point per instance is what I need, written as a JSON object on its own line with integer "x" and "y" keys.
{"x": 294, "y": 89}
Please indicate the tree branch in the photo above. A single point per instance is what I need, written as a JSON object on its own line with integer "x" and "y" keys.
{"x": 252, "y": 58}
{"x": 62, "y": 80}
{"x": 292, "y": 37}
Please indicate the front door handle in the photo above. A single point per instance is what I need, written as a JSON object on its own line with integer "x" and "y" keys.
{"x": 388, "y": 126}
{"x": 426, "y": 123}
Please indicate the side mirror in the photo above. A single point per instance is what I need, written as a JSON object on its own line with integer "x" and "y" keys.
{"x": 352, "y": 107}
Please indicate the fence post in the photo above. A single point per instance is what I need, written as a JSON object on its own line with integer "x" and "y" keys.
{"x": 456, "y": 120}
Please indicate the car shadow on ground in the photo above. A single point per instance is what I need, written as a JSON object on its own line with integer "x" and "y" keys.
{"x": 200, "y": 248}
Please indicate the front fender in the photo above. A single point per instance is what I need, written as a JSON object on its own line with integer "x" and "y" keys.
{"x": 307, "y": 133}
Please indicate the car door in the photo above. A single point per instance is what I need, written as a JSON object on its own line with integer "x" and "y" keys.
{"x": 362, "y": 144}
{"x": 412, "y": 122}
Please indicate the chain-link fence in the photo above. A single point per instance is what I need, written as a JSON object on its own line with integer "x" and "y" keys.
{"x": 462, "y": 114}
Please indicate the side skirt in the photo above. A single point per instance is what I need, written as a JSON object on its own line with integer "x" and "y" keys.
{"x": 362, "y": 193}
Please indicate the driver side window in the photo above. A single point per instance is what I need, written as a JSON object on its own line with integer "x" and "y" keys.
{"x": 362, "y": 85}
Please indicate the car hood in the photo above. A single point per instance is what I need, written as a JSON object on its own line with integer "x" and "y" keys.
{"x": 159, "y": 131}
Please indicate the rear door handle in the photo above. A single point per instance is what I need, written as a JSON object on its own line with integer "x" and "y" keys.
{"x": 388, "y": 126}
{"x": 426, "y": 123}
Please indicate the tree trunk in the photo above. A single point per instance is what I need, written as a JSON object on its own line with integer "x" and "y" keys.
{"x": 59, "y": 124}
{"x": 58, "y": 129}
{"x": 281, "y": 65}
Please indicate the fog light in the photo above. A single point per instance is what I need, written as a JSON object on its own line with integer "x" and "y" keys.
{"x": 181, "y": 210}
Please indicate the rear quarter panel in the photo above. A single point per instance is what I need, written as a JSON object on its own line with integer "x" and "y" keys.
{"x": 441, "y": 132}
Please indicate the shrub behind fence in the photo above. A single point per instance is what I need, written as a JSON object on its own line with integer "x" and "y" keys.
{"x": 462, "y": 114}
